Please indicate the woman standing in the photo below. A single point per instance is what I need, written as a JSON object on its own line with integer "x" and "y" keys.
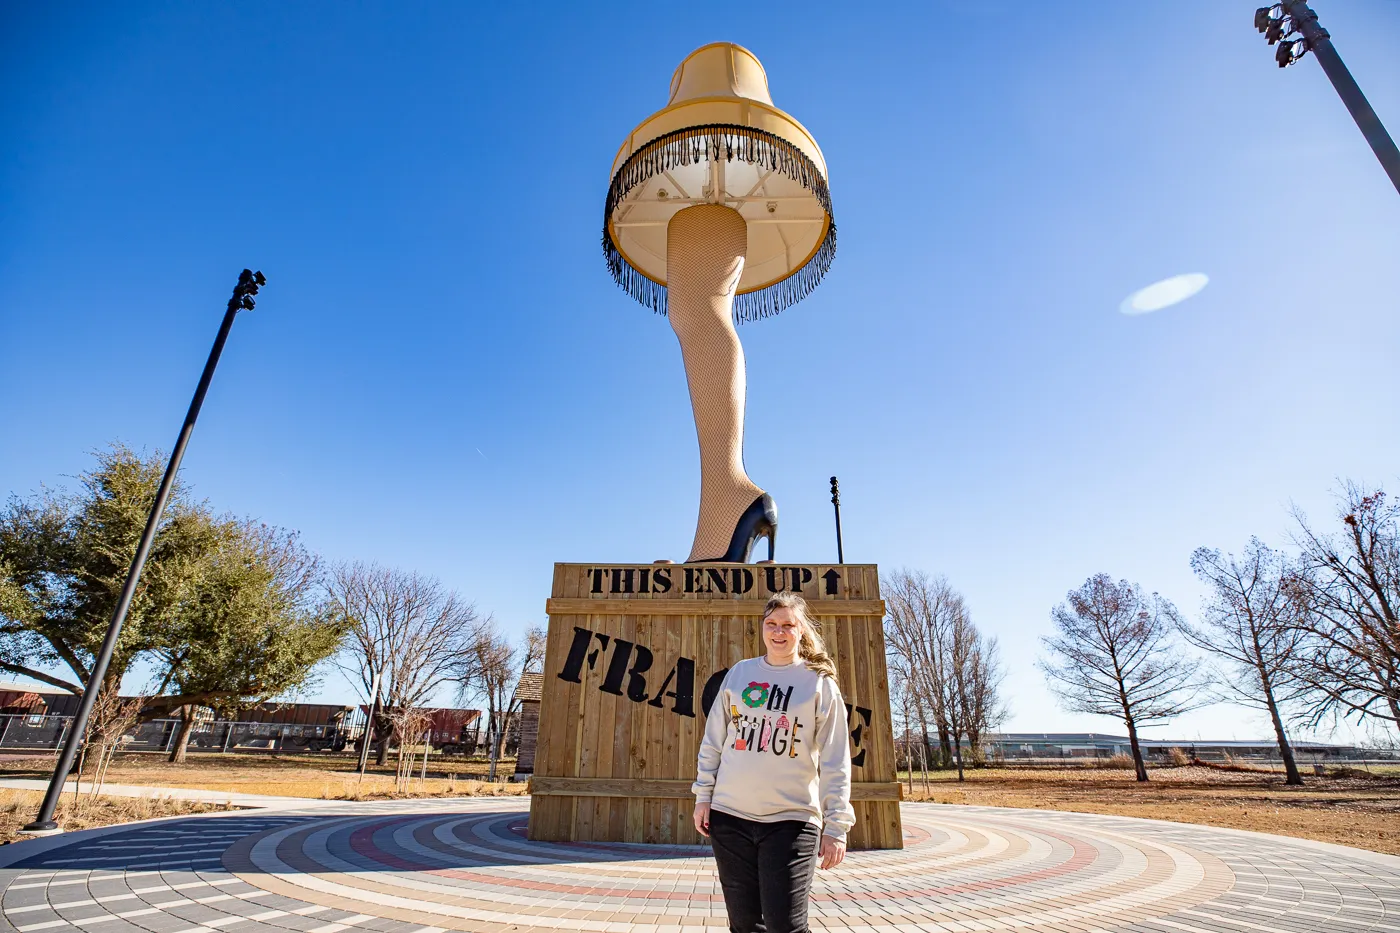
{"x": 773, "y": 782}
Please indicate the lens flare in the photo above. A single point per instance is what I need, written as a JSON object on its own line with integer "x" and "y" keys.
{"x": 1163, "y": 294}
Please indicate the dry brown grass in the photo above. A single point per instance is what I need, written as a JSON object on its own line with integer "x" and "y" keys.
{"x": 17, "y": 807}
{"x": 327, "y": 777}
{"x": 1348, "y": 808}
{"x": 1352, "y": 811}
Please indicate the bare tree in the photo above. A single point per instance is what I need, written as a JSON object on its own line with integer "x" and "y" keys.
{"x": 1350, "y": 590}
{"x": 977, "y": 679}
{"x": 904, "y": 708}
{"x": 917, "y": 607}
{"x": 406, "y": 632}
{"x": 1114, "y": 655}
{"x": 953, "y": 671}
{"x": 489, "y": 666}
{"x": 1250, "y": 620}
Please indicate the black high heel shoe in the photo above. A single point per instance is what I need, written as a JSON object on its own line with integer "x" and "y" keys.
{"x": 760, "y": 520}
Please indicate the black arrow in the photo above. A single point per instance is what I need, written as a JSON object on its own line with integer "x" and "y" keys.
{"x": 832, "y": 578}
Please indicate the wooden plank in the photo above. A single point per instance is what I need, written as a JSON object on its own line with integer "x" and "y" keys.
{"x": 813, "y": 587}
{"x": 670, "y": 788}
{"x": 636, "y": 771}
{"x": 546, "y": 815}
{"x": 712, "y": 607}
{"x": 572, "y": 714}
{"x": 620, "y": 764}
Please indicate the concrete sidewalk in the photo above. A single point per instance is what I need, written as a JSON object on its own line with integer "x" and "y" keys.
{"x": 250, "y": 801}
{"x": 427, "y": 866}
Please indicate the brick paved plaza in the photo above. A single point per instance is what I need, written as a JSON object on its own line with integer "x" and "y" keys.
{"x": 466, "y": 865}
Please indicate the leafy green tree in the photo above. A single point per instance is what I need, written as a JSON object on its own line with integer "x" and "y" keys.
{"x": 226, "y": 612}
{"x": 66, "y": 557}
{"x": 253, "y": 630}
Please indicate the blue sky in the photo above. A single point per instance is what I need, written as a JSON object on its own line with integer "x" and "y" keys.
{"x": 440, "y": 374}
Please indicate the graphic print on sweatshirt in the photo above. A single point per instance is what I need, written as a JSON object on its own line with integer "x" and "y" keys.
{"x": 768, "y": 730}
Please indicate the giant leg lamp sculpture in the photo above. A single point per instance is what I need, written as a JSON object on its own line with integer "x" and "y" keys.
{"x": 718, "y": 213}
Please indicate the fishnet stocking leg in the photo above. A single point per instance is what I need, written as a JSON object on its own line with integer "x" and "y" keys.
{"x": 705, "y": 247}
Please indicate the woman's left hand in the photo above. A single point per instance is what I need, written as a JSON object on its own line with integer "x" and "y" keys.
{"x": 833, "y": 850}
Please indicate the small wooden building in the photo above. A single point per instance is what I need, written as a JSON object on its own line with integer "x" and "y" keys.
{"x": 527, "y": 693}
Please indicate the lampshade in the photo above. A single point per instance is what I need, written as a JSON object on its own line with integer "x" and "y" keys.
{"x": 720, "y": 140}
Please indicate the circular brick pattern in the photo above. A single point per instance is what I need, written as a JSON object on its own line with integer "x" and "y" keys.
{"x": 466, "y": 865}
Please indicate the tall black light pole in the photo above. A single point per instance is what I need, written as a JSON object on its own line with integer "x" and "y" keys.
{"x": 44, "y": 823}
{"x": 836, "y": 503}
{"x": 1279, "y": 24}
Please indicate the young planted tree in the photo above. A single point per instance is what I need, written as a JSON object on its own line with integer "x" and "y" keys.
{"x": 1349, "y": 588}
{"x": 1249, "y": 620}
{"x": 1113, "y": 654}
{"x": 404, "y": 632}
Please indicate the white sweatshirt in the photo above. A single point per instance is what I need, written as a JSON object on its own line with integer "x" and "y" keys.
{"x": 776, "y": 748}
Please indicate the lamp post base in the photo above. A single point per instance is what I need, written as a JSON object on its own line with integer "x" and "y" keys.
{"x": 44, "y": 828}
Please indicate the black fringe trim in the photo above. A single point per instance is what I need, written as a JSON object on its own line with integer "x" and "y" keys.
{"x": 710, "y": 143}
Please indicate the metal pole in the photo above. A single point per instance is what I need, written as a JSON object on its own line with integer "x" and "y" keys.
{"x": 1320, "y": 43}
{"x": 836, "y": 503}
{"x": 369, "y": 727}
{"x": 44, "y": 823}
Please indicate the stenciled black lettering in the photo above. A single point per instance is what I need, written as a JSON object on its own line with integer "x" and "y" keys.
{"x": 636, "y": 683}
{"x": 857, "y": 733}
{"x": 715, "y": 581}
{"x": 683, "y": 674}
{"x": 741, "y": 580}
{"x": 617, "y": 668}
{"x": 711, "y": 690}
{"x": 770, "y": 576}
{"x": 661, "y": 580}
{"x": 643, "y": 581}
{"x": 602, "y": 646}
{"x": 694, "y": 581}
{"x": 622, "y": 580}
{"x": 573, "y": 664}
{"x": 597, "y": 574}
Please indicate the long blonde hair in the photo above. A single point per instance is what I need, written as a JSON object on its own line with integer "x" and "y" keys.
{"x": 809, "y": 646}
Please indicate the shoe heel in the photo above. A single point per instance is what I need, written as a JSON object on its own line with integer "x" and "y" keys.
{"x": 759, "y": 520}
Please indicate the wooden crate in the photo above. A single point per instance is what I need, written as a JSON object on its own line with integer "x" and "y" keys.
{"x": 631, "y": 652}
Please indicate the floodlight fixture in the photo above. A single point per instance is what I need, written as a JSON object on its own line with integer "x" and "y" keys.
{"x": 1293, "y": 27}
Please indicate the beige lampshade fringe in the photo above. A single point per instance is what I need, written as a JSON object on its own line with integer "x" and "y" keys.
{"x": 715, "y": 143}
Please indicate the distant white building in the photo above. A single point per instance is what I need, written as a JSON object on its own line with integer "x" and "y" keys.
{"x": 1014, "y": 745}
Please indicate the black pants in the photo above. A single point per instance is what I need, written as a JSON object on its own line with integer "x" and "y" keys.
{"x": 765, "y": 870}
